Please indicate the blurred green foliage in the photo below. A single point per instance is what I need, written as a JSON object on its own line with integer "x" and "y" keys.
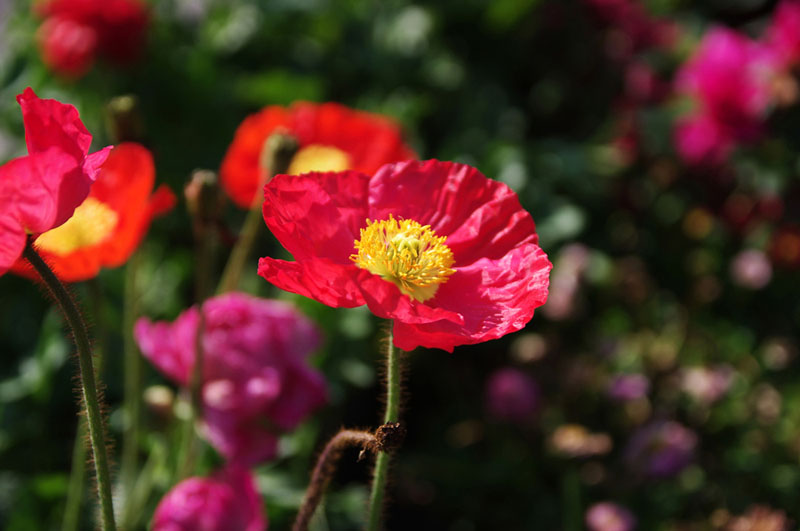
{"x": 524, "y": 91}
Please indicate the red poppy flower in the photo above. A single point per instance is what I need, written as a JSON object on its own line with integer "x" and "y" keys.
{"x": 332, "y": 137}
{"x": 41, "y": 190}
{"x": 108, "y": 226}
{"x": 446, "y": 253}
{"x": 75, "y": 31}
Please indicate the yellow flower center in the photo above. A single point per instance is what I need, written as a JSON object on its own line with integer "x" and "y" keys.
{"x": 405, "y": 253}
{"x": 317, "y": 157}
{"x": 92, "y": 222}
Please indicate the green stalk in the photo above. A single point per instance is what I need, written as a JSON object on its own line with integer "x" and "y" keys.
{"x": 88, "y": 386}
{"x": 77, "y": 475}
{"x": 276, "y": 156}
{"x": 133, "y": 388}
{"x": 391, "y": 415}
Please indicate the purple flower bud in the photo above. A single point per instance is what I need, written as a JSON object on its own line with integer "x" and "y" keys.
{"x": 626, "y": 387}
{"x": 661, "y": 449}
{"x": 512, "y": 395}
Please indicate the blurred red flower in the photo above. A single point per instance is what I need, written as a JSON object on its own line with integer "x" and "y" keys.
{"x": 41, "y": 190}
{"x": 483, "y": 283}
{"x": 332, "y": 137}
{"x": 109, "y": 225}
{"x": 74, "y": 32}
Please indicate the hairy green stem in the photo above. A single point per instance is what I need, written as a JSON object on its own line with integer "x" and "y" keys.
{"x": 380, "y": 474}
{"x": 91, "y": 401}
{"x": 133, "y": 388}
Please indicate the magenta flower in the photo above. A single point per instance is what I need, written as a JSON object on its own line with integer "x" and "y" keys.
{"x": 228, "y": 501}
{"x": 661, "y": 449}
{"x": 512, "y": 395}
{"x": 729, "y": 77}
{"x": 608, "y": 516}
{"x": 783, "y": 34}
{"x": 256, "y": 382}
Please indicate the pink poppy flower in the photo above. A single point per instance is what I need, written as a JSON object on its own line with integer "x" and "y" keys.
{"x": 730, "y": 77}
{"x": 783, "y": 34}
{"x": 228, "y": 501}
{"x": 256, "y": 381}
{"x": 41, "y": 190}
{"x": 449, "y": 255}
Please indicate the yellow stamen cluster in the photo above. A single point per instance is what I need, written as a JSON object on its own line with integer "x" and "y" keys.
{"x": 405, "y": 253}
{"x": 92, "y": 222}
{"x": 316, "y": 157}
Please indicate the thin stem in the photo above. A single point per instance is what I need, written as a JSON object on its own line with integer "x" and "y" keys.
{"x": 133, "y": 388}
{"x": 276, "y": 156}
{"x": 89, "y": 388}
{"x": 391, "y": 416}
{"x": 571, "y": 498}
{"x": 77, "y": 476}
{"x": 241, "y": 251}
{"x": 324, "y": 470}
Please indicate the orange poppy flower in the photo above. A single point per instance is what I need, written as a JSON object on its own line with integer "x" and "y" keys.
{"x": 332, "y": 137}
{"x": 110, "y": 223}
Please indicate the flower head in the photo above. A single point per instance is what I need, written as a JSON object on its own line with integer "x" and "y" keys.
{"x": 256, "y": 381}
{"x": 783, "y": 33}
{"x": 108, "y": 226}
{"x": 608, "y": 516}
{"x": 228, "y": 501}
{"x": 331, "y": 137}
{"x": 730, "y": 78}
{"x": 74, "y": 32}
{"x": 661, "y": 449}
{"x": 446, "y": 253}
{"x": 511, "y": 394}
{"x": 40, "y": 191}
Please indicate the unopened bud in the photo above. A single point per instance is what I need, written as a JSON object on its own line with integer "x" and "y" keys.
{"x": 123, "y": 119}
{"x": 276, "y": 154}
{"x": 203, "y": 198}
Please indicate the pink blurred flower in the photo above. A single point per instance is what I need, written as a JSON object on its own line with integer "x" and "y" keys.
{"x": 751, "y": 269}
{"x": 730, "y": 78}
{"x": 625, "y": 387}
{"x": 257, "y": 383}
{"x": 635, "y": 25}
{"x": 565, "y": 281}
{"x": 608, "y": 516}
{"x": 228, "y": 501}
{"x": 783, "y": 33}
{"x": 512, "y": 395}
{"x": 661, "y": 449}
{"x": 707, "y": 384}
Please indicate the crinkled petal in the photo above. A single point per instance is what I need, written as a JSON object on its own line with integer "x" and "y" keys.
{"x": 317, "y": 214}
{"x": 385, "y": 300}
{"x": 495, "y": 297}
{"x": 478, "y": 215}
{"x": 50, "y": 123}
{"x": 317, "y": 278}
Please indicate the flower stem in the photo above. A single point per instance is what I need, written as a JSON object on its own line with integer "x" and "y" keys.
{"x": 89, "y": 388}
{"x": 324, "y": 470}
{"x": 277, "y": 154}
{"x": 133, "y": 388}
{"x": 72, "y": 508}
{"x": 393, "y": 376}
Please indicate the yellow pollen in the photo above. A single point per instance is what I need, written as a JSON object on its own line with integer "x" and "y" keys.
{"x": 405, "y": 253}
{"x": 317, "y": 157}
{"x": 92, "y": 222}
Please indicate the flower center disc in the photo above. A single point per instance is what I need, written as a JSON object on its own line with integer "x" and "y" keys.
{"x": 408, "y": 254}
{"x": 91, "y": 223}
{"x": 317, "y": 157}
